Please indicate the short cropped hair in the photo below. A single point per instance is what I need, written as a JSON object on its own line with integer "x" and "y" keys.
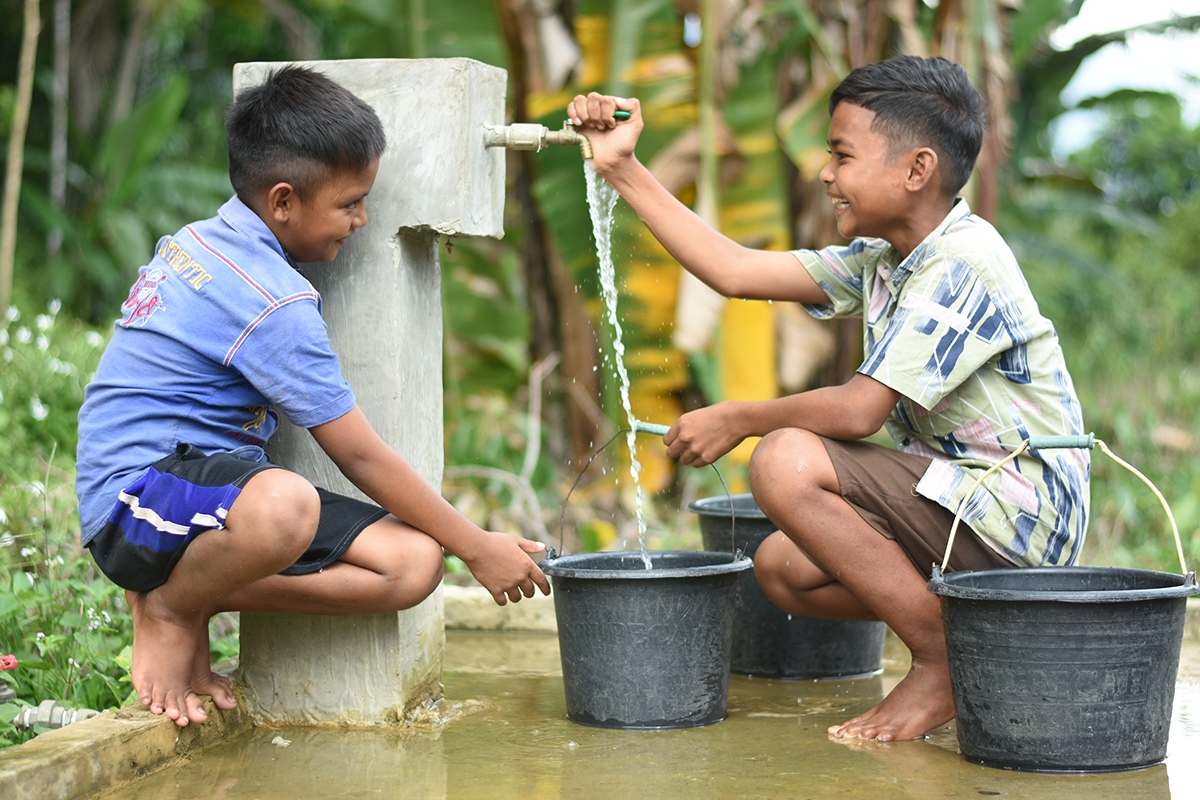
{"x": 921, "y": 102}
{"x": 301, "y": 128}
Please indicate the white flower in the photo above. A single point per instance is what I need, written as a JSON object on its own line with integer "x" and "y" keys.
{"x": 62, "y": 367}
{"x": 55, "y": 306}
{"x": 43, "y": 322}
{"x": 93, "y": 339}
{"x": 32, "y": 579}
{"x": 43, "y": 343}
{"x": 12, "y": 315}
{"x": 6, "y": 538}
{"x": 38, "y": 409}
{"x": 24, "y": 335}
{"x": 26, "y": 552}
{"x": 36, "y": 487}
{"x": 40, "y": 635}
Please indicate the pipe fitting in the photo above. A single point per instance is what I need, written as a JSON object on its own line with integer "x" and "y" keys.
{"x": 50, "y": 714}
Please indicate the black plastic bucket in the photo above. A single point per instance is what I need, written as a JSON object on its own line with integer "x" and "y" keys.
{"x": 767, "y": 642}
{"x": 645, "y": 649}
{"x": 1063, "y": 669}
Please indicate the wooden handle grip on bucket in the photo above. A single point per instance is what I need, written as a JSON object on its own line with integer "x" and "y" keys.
{"x": 1081, "y": 441}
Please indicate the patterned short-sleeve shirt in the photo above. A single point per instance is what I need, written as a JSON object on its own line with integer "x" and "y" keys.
{"x": 955, "y": 330}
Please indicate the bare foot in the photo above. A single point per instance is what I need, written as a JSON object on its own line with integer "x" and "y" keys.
{"x": 205, "y": 681}
{"x": 918, "y": 704}
{"x": 164, "y": 651}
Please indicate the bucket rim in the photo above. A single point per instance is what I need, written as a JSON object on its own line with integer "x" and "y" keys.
{"x": 1177, "y": 586}
{"x": 704, "y": 507}
{"x": 571, "y": 566}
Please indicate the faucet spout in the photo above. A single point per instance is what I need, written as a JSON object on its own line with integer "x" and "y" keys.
{"x": 531, "y": 136}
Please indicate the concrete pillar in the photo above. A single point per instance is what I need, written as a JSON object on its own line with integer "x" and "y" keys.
{"x": 382, "y": 303}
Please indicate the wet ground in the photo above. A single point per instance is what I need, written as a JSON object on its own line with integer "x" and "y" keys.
{"x": 502, "y": 732}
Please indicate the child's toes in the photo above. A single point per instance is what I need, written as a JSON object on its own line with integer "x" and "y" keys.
{"x": 194, "y": 708}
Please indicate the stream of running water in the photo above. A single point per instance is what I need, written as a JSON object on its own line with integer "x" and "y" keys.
{"x": 602, "y": 198}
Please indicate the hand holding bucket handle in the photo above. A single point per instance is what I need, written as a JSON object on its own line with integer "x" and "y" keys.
{"x": 655, "y": 429}
{"x": 1080, "y": 441}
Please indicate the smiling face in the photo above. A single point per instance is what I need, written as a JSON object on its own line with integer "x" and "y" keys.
{"x": 314, "y": 228}
{"x": 867, "y": 185}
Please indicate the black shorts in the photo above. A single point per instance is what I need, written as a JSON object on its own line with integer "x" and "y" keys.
{"x": 880, "y": 484}
{"x": 188, "y": 493}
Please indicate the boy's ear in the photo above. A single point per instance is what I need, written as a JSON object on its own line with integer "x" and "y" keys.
{"x": 282, "y": 201}
{"x": 922, "y": 165}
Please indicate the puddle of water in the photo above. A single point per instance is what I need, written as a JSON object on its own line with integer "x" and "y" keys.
{"x": 508, "y": 737}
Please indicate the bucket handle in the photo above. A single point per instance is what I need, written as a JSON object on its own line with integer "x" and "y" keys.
{"x": 638, "y": 427}
{"x": 1088, "y": 441}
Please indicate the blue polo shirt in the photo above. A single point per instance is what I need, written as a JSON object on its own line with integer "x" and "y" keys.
{"x": 220, "y": 334}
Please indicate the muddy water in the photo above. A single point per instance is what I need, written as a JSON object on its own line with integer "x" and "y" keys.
{"x": 502, "y": 733}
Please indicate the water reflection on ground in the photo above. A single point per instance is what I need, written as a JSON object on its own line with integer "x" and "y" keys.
{"x": 503, "y": 733}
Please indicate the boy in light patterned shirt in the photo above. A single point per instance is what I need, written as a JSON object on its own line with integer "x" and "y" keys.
{"x": 960, "y": 365}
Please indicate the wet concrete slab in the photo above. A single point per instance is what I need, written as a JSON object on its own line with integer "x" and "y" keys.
{"x": 502, "y": 732}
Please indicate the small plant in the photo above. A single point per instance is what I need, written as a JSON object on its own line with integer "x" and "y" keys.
{"x": 66, "y": 624}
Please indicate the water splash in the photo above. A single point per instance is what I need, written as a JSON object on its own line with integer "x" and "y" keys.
{"x": 602, "y": 198}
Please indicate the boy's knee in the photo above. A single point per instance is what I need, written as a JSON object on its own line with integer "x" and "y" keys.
{"x": 411, "y": 573}
{"x": 768, "y": 561}
{"x": 779, "y": 453}
{"x": 428, "y": 565}
{"x": 281, "y": 508}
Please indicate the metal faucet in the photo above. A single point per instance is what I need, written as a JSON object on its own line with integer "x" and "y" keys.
{"x": 531, "y": 136}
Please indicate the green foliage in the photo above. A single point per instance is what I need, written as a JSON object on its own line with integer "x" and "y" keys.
{"x": 45, "y": 362}
{"x": 411, "y": 29}
{"x": 66, "y": 623}
{"x": 132, "y": 195}
{"x": 1146, "y": 158}
{"x": 1124, "y": 307}
{"x": 63, "y": 621}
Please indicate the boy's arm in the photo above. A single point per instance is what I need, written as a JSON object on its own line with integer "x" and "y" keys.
{"x": 723, "y": 264}
{"x": 499, "y": 561}
{"x": 849, "y": 412}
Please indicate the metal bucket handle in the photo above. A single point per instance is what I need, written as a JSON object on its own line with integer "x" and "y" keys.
{"x": 1081, "y": 441}
{"x": 638, "y": 427}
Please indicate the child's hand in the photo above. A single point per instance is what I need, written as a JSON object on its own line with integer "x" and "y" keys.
{"x": 612, "y": 140}
{"x": 702, "y": 436}
{"x": 501, "y": 563}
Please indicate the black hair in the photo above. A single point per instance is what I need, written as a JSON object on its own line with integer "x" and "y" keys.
{"x": 301, "y": 128}
{"x": 921, "y": 102}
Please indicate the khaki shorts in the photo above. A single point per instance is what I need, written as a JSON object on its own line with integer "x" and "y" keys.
{"x": 880, "y": 484}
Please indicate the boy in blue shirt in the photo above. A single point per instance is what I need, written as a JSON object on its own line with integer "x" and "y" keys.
{"x": 959, "y": 365}
{"x": 178, "y": 502}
